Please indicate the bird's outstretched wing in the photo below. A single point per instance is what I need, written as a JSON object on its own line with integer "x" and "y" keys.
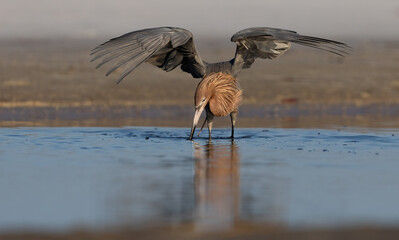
{"x": 164, "y": 47}
{"x": 264, "y": 42}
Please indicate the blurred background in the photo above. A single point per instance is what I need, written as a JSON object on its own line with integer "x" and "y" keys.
{"x": 46, "y": 77}
{"x": 99, "y": 18}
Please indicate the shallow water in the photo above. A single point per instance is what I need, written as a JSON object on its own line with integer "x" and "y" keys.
{"x": 58, "y": 179}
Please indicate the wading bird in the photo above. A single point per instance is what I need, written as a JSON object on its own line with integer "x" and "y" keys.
{"x": 170, "y": 47}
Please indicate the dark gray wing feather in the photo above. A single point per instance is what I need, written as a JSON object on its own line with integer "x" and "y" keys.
{"x": 164, "y": 47}
{"x": 270, "y": 43}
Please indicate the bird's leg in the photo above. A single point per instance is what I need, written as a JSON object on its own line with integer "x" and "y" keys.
{"x": 209, "y": 119}
{"x": 233, "y": 117}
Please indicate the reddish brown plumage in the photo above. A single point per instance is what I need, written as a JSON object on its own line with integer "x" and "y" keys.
{"x": 221, "y": 91}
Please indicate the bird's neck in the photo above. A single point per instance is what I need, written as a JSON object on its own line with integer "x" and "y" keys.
{"x": 225, "y": 67}
{"x": 224, "y": 94}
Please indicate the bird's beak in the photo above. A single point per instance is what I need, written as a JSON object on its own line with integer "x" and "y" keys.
{"x": 197, "y": 116}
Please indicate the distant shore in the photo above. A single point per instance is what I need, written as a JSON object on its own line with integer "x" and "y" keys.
{"x": 279, "y": 115}
{"x": 43, "y": 81}
{"x": 241, "y": 232}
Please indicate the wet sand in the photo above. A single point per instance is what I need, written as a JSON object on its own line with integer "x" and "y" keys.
{"x": 247, "y": 233}
{"x": 286, "y": 116}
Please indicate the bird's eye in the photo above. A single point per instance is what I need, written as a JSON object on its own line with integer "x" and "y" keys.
{"x": 203, "y": 100}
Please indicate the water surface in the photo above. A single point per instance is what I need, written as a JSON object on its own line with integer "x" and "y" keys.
{"x": 65, "y": 178}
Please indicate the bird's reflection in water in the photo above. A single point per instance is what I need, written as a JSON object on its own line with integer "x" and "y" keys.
{"x": 217, "y": 189}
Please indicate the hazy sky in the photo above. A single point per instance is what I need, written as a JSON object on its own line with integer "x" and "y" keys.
{"x": 98, "y": 18}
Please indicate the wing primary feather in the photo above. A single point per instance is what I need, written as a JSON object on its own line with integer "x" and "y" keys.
{"x": 125, "y": 38}
{"x": 110, "y": 43}
{"x": 106, "y": 49}
{"x": 323, "y": 48}
{"x": 336, "y": 44}
{"x": 110, "y": 51}
{"x": 136, "y": 42}
{"x": 334, "y": 47}
{"x": 323, "y": 40}
{"x": 129, "y": 70}
{"x": 121, "y": 63}
{"x": 148, "y": 44}
{"x": 110, "y": 58}
{"x": 133, "y": 57}
{"x": 317, "y": 46}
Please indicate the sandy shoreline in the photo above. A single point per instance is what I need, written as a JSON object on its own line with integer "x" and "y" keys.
{"x": 49, "y": 78}
{"x": 188, "y": 232}
{"x": 302, "y": 116}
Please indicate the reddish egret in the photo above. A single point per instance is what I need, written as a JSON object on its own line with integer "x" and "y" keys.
{"x": 170, "y": 47}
